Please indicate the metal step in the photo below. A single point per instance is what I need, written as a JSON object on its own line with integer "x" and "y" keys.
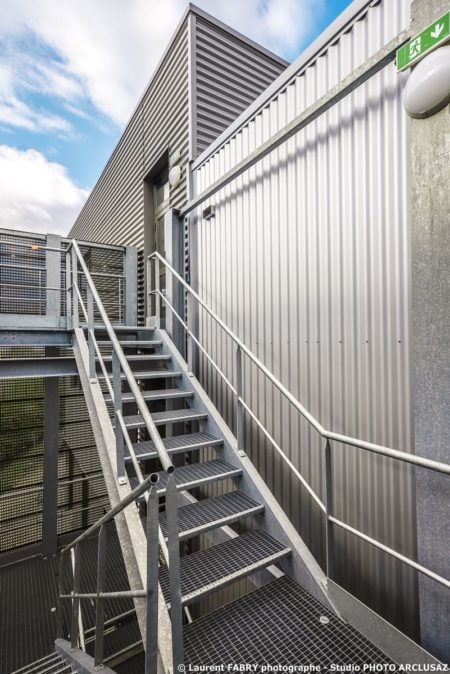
{"x": 195, "y": 475}
{"x": 278, "y": 624}
{"x": 122, "y": 328}
{"x": 137, "y": 357}
{"x": 160, "y": 394}
{"x": 211, "y": 569}
{"x": 33, "y": 667}
{"x": 174, "y": 416}
{"x": 138, "y": 343}
{"x": 176, "y": 444}
{"x": 211, "y": 513}
{"x": 150, "y": 374}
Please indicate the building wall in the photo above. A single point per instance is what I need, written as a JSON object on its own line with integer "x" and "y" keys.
{"x": 308, "y": 261}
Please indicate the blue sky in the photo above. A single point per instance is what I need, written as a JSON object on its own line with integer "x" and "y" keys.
{"x": 71, "y": 72}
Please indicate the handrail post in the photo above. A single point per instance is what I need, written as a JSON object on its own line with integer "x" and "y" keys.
{"x": 173, "y": 545}
{"x": 68, "y": 290}
{"x": 99, "y": 605}
{"x": 117, "y": 387}
{"x": 329, "y": 533}
{"x": 157, "y": 295}
{"x": 189, "y": 340}
{"x": 75, "y": 627}
{"x": 90, "y": 312}
{"x": 151, "y": 615}
{"x": 59, "y": 605}
{"x": 75, "y": 312}
{"x": 239, "y": 409}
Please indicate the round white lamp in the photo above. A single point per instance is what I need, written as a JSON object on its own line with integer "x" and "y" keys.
{"x": 174, "y": 175}
{"x": 428, "y": 88}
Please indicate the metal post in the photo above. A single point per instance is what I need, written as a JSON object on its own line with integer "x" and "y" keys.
{"x": 151, "y": 629}
{"x": 50, "y": 475}
{"x": 157, "y": 296}
{"x": 53, "y": 282}
{"x": 117, "y": 386}
{"x": 130, "y": 294}
{"x": 189, "y": 341}
{"x": 59, "y": 605}
{"x": 90, "y": 312}
{"x": 239, "y": 408}
{"x": 176, "y": 612}
{"x": 99, "y": 605}
{"x": 75, "y": 627}
{"x": 75, "y": 305}
{"x": 329, "y": 532}
{"x": 68, "y": 291}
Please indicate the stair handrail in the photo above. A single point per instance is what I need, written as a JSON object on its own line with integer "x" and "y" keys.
{"x": 117, "y": 349}
{"x": 327, "y": 435}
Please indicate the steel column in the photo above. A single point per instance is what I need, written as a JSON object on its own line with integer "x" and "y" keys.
{"x": 75, "y": 301}
{"x": 50, "y": 465}
{"x": 117, "y": 386}
{"x": 329, "y": 533}
{"x": 90, "y": 311}
{"x": 239, "y": 409}
{"x": 99, "y": 605}
{"x": 75, "y": 625}
{"x": 173, "y": 545}
{"x": 151, "y": 631}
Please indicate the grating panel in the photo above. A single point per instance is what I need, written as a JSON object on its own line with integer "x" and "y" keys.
{"x": 195, "y": 474}
{"x": 177, "y": 443}
{"x": 174, "y": 416}
{"x": 215, "y": 567}
{"x": 212, "y": 512}
{"x": 277, "y": 625}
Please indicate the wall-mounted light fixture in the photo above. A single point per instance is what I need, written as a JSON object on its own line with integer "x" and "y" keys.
{"x": 174, "y": 175}
{"x": 428, "y": 87}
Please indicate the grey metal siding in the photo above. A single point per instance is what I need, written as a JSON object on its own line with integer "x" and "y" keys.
{"x": 114, "y": 212}
{"x": 229, "y": 75}
{"x": 308, "y": 261}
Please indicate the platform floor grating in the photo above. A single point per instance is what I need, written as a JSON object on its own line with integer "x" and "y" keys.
{"x": 277, "y": 625}
{"x": 224, "y": 563}
{"x": 177, "y": 443}
{"x": 221, "y": 509}
{"x": 28, "y": 602}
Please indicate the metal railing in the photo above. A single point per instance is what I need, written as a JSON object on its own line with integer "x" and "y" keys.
{"x": 121, "y": 371}
{"x": 327, "y": 435}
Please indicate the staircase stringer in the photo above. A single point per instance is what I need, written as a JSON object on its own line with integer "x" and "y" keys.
{"x": 301, "y": 566}
{"x": 129, "y": 527}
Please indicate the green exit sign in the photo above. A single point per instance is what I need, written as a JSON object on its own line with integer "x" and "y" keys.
{"x": 430, "y": 38}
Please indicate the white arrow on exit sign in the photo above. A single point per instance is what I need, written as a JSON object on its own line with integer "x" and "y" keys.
{"x": 437, "y": 30}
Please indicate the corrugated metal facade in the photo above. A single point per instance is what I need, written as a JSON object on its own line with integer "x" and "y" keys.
{"x": 183, "y": 102}
{"x": 229, "y": 74}
{"x": 308, "y": 261}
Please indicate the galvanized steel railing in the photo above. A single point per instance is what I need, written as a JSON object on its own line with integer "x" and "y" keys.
{"x": 327, "y": 435}
{"x": 120, "y": 365}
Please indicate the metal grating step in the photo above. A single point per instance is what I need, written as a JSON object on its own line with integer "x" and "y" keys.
{"x": 175, "y": 444}
{"x": 161, "y": 394}
{"x": 150, "y": 374}
{"x": 138, "y": 357}
{"x": 211, "y": 569}
{"x": 122, "y": 328}
{"x": 34, "y": 666}
{"x": 174, "y": 416}
{"x": 196, "y": 518}
{"x": 138, "y": 343}
{"x": 188, "y": 477}
{"x": 277, "y": 625}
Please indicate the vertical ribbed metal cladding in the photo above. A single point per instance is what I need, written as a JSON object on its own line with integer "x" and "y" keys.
{"x": 308, "y": 261}
{"x": 229, "y": 75}
{"x": 114, "y": 212}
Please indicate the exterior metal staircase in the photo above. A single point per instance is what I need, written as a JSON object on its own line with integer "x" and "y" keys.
{"x": 194, "y": 516}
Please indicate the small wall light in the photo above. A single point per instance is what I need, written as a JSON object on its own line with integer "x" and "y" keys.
{"x": 174, "y": 175}
{"x": 209, "y": 212}
{"x": 428, "y": 88}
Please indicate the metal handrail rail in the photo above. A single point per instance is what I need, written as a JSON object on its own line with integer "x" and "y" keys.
{"x": 134, "y": 388}
{"x": 326, "y": 434}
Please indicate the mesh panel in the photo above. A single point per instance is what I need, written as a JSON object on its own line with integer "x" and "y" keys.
{"x": 23, "y": 277}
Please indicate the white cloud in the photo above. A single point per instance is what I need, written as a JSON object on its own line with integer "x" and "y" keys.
{"x": 106, "y": 50}
{"x": 36, "y": 195}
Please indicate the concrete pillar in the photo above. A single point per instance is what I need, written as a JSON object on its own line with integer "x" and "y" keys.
{"x": 430, "y": 250}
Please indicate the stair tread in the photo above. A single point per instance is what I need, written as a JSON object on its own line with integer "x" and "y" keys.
{"x": 212, "y": 512}
{"x": 159, "y": 394}
{"x": 150, "y": 374}
{"x": 220, "y": 565}
{"x": 189, "y": 414}
{"x": 277, "y": 624}
{"x": 136, "y": 357}
{"x": 132, "y": 342}
{"x": 176, "y": 443}
{"x": 188, "y": 477}
{"x": 33, "y": 667}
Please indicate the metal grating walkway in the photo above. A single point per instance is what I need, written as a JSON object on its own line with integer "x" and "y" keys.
{"x": 215, "y": 567}
{"x": 195, "y": 518}
{"x": 277, "y": 625}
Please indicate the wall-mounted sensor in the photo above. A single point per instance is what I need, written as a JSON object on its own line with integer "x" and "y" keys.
{"x": 428, "y": 88}
{"x": 174, "y": 175}
{"x": 209, "y": 212}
